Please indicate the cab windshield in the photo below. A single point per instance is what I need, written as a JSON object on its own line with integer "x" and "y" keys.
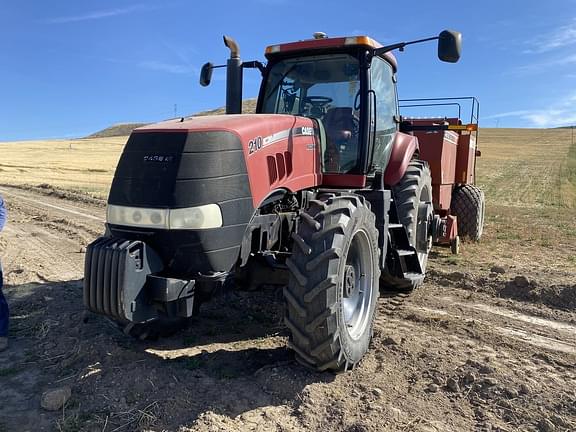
{"x": 324, "y": 87}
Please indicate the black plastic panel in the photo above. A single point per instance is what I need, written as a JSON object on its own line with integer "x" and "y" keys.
{"x": 205, "y": 165}
{"x": 180, "y": 169}
{"x": 186, "y": 169}
{"x": 188, "y": 193}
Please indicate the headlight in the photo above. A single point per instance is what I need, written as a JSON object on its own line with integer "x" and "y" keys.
{"x": 136, "y": 216}
{"x": 201, "y": 217}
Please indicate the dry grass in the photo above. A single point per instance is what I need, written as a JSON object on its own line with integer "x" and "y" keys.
{"x": 530, "y": 168}
{"x": 529, "y": 177}
{"x": 85, "y": 165}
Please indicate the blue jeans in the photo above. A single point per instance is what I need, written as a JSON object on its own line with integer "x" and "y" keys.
{"x": 4, "y": 312}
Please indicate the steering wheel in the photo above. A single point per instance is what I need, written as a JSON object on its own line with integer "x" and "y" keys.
{"x": 318, "y": 100}
{"x": 355, "y": 126}
{"x": 318, "y": 105}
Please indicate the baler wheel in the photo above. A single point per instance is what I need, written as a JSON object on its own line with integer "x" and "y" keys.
{"x": 333, "y": 288}
{"x": 468, "y": 206}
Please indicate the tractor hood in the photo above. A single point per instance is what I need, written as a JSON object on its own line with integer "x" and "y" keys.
{"x": 236, "y": 155}
{"x": 219, "y": 168}
{"x": 244, "y": 126}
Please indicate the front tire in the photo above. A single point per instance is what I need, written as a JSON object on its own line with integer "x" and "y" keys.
{"x": 333, "y": 289}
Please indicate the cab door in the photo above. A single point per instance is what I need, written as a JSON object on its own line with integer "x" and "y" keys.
{"x": 384, "y": 103}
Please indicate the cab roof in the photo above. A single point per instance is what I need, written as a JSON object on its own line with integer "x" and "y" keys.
{"x": 325, "y": 43}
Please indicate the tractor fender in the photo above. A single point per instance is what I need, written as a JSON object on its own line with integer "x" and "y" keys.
{"x": 403, "y": 148}
{"x": 257, "y": 222}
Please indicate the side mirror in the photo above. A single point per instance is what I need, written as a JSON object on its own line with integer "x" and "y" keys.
{"x": 449, "y": 46}
{"x": 206, "y": 74}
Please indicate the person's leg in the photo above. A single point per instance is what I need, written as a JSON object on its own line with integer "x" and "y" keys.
{"x": 4, "y": 316}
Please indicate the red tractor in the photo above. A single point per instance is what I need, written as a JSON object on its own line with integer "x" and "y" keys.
{"x": 326, "y": 183}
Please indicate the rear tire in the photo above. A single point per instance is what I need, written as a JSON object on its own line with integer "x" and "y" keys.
{"x": 333, "y": 288}
{"x": 412, "y": 192}
{"x": 468, "y": 206}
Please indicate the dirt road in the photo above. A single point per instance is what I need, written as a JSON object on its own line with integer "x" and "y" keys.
{"x": 489, "y": 343}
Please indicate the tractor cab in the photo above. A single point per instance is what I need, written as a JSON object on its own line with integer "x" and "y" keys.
{"x": 326, "y": 88}
{"x": 338, "y": 83}
{"x": 347, "y": 85}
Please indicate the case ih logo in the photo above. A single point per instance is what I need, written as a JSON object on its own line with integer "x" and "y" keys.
{"x": 158, "y": 158}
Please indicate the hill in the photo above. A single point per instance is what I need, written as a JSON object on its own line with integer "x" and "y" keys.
{"x": 248, "y": 107}
{"x": 124, "y": 129}
{"x": 120, "y": 129}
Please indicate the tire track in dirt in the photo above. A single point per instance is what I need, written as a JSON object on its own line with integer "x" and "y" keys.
{"x": 79, "y": 222}
{"x": 498, "y": 362}
{"x": 33, "y": 250}
{"x": 237, "y": 375}
{"x": 530, "y": 336}
{"x": 45, "y": 236}
{"x": 84, "y": 210}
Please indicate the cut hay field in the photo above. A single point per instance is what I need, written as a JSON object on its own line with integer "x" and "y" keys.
{"x": 528, "y": 167}
{"x": 82, "y": 165}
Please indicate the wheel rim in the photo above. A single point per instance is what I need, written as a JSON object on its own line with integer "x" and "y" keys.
{"x": 357, "y": 285}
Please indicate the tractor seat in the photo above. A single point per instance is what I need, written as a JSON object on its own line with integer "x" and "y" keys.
{"x": 341, "y": 142}
{"x": 339, "y": 124}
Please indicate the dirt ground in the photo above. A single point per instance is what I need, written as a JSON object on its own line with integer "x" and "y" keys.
{"x": 487, "y": 344}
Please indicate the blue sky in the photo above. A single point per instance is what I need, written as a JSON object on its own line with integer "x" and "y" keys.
{"x": 70, "y": 68}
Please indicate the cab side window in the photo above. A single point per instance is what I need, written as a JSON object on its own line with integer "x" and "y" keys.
{"x": 381, "y": 76}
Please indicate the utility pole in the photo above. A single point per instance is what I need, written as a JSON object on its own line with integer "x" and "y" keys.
{"x": 175, "y": 110}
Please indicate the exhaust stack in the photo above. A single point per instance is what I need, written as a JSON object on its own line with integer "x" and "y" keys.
{"x": 233, "y": 78}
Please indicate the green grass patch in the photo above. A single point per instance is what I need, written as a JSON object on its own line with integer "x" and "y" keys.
{"x": 571, "y": 163}
{"x": 9, "y": 371}
{"x": 192, "y": 363}
{"x": 507, "y": 235}
{"x": 189, "y": 340}
{"x": 227, "y": 372}
{"x": 452, "y": 260}
{"x": 72, "y": 422}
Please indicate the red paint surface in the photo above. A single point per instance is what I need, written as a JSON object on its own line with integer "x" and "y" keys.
{"x": 439, "y": 148}
{"x": 403, "y": 149}
{"x": 292, "y": 163}
{"x": 351, "y": 181}
{"x": 449, "y": 163}
{"x": 466, "y": 159}
{"x": 449, "y": 229}
{"x": 442, "y": 196}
